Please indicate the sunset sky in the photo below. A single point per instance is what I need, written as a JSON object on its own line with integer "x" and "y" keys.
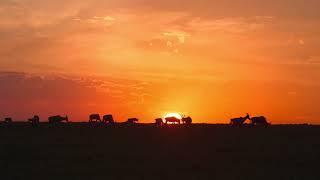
{"x": 210, "y": 59}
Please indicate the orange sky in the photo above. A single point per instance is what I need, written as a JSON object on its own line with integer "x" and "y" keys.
{"x": 210, "y": 59}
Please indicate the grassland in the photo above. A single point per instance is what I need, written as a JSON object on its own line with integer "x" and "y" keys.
{"x": 201, "y": 151}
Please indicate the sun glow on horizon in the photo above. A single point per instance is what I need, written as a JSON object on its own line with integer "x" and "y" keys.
{"x": 159, "y": 59}
{"x": 172, "y": 114}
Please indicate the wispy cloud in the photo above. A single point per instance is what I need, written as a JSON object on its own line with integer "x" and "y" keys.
{"x": 64, "y": 93}
{"x": 99, "y": 20}
{"x": 113, "y": 47}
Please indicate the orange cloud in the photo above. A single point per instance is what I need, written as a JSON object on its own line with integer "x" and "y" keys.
{"x": 204, "y": 58}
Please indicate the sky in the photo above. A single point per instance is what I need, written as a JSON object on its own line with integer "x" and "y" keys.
{"x": 209, "y": 59}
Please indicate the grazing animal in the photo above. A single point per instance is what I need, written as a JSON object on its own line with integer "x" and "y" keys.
{"x": 173, "y": 120}
{"x": 94, "y": 118}
{"x": 108, "y": 119}
{"x": 159, "y": 121}
{"x": 132, "y": 120}
{"x": 7, "y": 120}
{"x": 35, "y": 120}
{"x": 260, "y": 120}
{"x": 58, "y": 119}
{"x": 186, "y": 120}
{"x": 239, "y": 121}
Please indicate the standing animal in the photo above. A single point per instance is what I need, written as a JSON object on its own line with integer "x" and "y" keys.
{"x": 132, "y": 120}
{"x": 186, "y": 120}
{"x": 259, "y": 120}
{"x": 108, "y": 119}
{"x": 58, "y": 119}
{"x": 159, "y": 121}
{"x": 35, "y": 120}
{"x": 94, "y": 118}
{"x": 173, "y": 120}
{"x": 7, "y": 120}
{"x": 239, "y": 121}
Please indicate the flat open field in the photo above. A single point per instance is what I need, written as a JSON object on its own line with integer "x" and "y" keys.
{"x": 80, "y": 151}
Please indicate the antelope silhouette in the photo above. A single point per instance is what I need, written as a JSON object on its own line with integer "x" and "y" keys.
{"x": 94, "y": 118}
{"x": 239, "y": 121}
{"x": 259, "y": 120}
{"x": 8, "y": 120}
{"x": 159, "y": 121}
{"x": 186, "y": 120}
{"x": 132, "y": 120}
{"x": 108, "y": 119}
{"x": 173, "y": 120}
{"x": 35, "y": 120}
{"x": 58, "y": 119}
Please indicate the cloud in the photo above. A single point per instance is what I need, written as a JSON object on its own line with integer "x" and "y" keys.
{"x": 98, "y": 20}
{"x": 54, "y": 94}
{"x": 155, "y": 42}
{"x": 230, "y": 24}
{"x": 95, "y": 36}
{"x": 181, "y": 36}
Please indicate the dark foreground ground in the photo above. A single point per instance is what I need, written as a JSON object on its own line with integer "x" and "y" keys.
{"x": 78, "y": 151}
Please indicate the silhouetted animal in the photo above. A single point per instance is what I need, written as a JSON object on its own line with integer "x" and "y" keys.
{"x": 173, "y": 120}
{"x": 132, "y": 120}
{"x": 260, "y": 120}
{"x": 108, "y": 119}
{"x": 159, "y": 121}
{"x": 186, "y": 120}
{"x": 94, "y": 118}
{"x": 35, "y": 120}
{"x": 239, "y": 121}
{"x": 7, "y": 120}
{"x": 57, "y": 119}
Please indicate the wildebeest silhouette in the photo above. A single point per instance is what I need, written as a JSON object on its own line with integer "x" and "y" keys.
{"x": 108, "y": 118}
{"x": 132, "y": 120}
{"x": 159, "y": 121}
{"x": 186, "y": 120}
{"x": 239, "y": 121}
{"x": 8, "y": 120}
{"x": 259, "y": 120}
{"x": 94, "y": 118}
{"x": 35, "y": 120}
{"x": 173, "y": 120}
{"x": 58, "y": 119}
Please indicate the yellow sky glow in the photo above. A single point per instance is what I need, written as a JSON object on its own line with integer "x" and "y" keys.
{"x": 211, "y": 60}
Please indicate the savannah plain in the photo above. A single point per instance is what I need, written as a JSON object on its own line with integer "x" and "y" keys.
{"x": 143, "y": 151}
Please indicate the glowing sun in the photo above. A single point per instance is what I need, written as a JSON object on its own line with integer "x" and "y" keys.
{"x": 176, "y": 115}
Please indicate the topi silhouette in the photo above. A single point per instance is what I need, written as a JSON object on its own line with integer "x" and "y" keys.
{"x": 58, "y": 119}
{"x": 94, "y": 118}
{"x": 34, "y": 121}
{"x": 132, "y": 120}
{"x": 7, "y": 120}
{"x": 259, "y": 120}
{"x": 186, "y": 120}
{"x": 108, "y": 119}
{"x": 173, "y": 120}
{"x": 159, "y": 122}
{"x": 239, "y": 121}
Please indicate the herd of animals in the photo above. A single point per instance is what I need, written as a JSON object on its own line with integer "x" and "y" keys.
{"x": 108, "y": 119}
{"x": 258, "y": 120}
